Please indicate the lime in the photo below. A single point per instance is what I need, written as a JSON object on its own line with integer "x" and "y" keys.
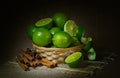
{"x": 62, "y": 39}
{"x": 41, "y": 37}
{"x": 46, "y": 22}
{"x": 30, "y": 30}
{"x": 80, "y": 32}
{"x": 74, "y": 60}
{"x": 54, "y": 30}
{"x": 70, "y": 27}
{"x": 91, "y": 54}
{"x": 59, "y": 19}
{"x": 88, "y": 44}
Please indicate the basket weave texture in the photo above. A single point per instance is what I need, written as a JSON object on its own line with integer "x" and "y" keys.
{"x": 56, "y": 55}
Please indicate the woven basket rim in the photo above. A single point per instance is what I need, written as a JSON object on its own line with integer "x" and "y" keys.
{"x": 58, "y": 49}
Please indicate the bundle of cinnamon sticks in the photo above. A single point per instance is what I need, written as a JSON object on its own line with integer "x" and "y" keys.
{"x": 30, "y": 58}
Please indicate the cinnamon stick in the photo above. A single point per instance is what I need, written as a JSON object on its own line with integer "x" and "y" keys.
{"x": 26, "y": 61}
{"x": 48, "y": 63}
{"x": 23, "y": 66}
{"x": 26, "y": 55}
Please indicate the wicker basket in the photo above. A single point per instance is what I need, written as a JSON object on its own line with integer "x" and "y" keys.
{"x": 56, "y": 55}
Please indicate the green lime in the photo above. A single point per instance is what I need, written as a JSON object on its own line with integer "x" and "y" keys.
{"x": 80, "y": 32}
{"x": 62, "y": 39}
{"x": 88, "y": 44}
{"x": 46, "y": 23}
{"x": 70, "y": 27}
{"x": 54, "y": 30}
{"x": 59, "y": 19}
{"x": 30, "y": 30}
{"x": 91, "y": 54}
{"x": 41, "y": 37}
{"x": 74, "y": 60}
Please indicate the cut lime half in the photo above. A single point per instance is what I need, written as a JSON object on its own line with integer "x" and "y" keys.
{"x": 46, "y": 22}
{"x": 70, "y": 27}
{"x": 74, "y": 60}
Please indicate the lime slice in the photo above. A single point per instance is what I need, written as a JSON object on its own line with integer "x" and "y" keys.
{"x": 91, "y": 54}
{"x": 88, "y": 44}
{"x": 74, "y": 60}
{"x": 70, "y": 27}
{"x": 46, "y": 22}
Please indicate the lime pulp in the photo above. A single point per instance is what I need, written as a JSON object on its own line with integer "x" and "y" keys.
{"x": 46, "y": 22}
{"x": 74, "y": 59}
{"x": 70, "y": 27}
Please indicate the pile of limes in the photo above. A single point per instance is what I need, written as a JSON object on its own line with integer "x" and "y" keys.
{"x": 58, "y": 31}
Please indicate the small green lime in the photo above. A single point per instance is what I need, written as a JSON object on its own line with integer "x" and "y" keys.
{"x": 70, "y": 27}
{"x": 30, "y": 30}
{"x": 41, "y": 37}
{"x": 46, "y": 23}
{"x": 74, "y": 60}
{"x": 59, "y": 19}
{"x": 62, "y": 39}
{"x": 54, "y": 30}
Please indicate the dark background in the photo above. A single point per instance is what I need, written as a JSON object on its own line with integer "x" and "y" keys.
{"x": 98, "y": 18}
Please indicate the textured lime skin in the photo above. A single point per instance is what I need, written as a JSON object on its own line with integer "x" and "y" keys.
{"x": 41, "y": 37}
{"x": 30, "y": 30}
{"x": 59, "y": 19}
{"x": 62, "y": 39}
{"x": 54, "y": 30}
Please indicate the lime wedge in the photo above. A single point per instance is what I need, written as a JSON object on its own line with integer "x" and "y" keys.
{"x": 91, "y": 54}
{"x": 46, "y": 22}
{"x": 88, "y": 44}
{"x": 70, "y": 27}
{"x": 74, "y": 60}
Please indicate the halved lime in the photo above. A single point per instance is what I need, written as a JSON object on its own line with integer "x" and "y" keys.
{"x": 88, "y": 44}
{"x": 70, "y": 27}
{"x": 74, "y": 60}
{"x": 46, "y": 22}
{"x": 91, "y": 54}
